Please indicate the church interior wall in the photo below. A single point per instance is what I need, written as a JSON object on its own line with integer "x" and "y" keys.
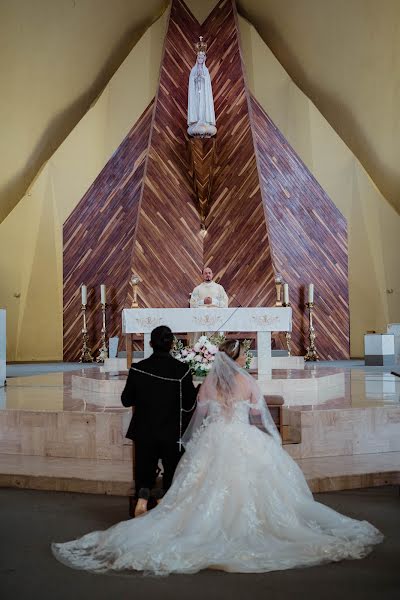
{"x": 31, "y": 234}
{"x": 373, "y": 224}
{"x": 34, "y": 228}
{"x": 237, "y": 243}
{"x": 56, "y": 58}
{"x": 344, "y": 56}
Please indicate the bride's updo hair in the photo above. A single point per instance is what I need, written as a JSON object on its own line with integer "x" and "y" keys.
{"x": 231, "y": 348}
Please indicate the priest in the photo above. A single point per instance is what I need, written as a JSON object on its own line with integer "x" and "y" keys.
{"x": 208, "y": 294}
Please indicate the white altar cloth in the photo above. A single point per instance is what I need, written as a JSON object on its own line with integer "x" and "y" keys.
{"x": 189, "y": 320}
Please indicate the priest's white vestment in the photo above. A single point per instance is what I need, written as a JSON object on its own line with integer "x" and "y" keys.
{"x": 209, "y": 289}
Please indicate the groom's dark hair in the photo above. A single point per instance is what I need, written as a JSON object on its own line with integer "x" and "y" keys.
{"x": 162, "y": 339}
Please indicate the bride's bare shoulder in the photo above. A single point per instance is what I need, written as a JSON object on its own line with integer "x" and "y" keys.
{"x": 244, "y": 380}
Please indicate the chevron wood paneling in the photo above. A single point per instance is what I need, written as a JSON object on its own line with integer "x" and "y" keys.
{"x": 168, "y": 252}
{"x": 98, "y": 238}
{"x": 202, "y": 153}
{"x": 236, "y": 245}
{"x": 308, "y": 238}
{"x": 266, "y": 211}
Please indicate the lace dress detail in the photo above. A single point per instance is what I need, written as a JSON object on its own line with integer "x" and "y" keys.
{"x": 238, "y": 503}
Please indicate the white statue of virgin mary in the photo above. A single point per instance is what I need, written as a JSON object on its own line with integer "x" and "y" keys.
{"x": 201, "y": 116}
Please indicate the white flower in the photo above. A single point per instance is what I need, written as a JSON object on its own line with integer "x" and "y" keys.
{"x": 198, "y": 358}
{"x": 203, "y": 339}
{"x": 190, "y": 356}
{"x": 197, "y": 346}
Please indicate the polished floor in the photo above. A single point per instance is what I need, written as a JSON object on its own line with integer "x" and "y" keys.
{"x": 30, "y": 521}
{"x": 364, "y": 387}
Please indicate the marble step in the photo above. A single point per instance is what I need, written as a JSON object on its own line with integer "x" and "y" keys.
{"x": 330, "y": 473}
{"x": 89, "y": 476}
{"x": 115, "y": 477}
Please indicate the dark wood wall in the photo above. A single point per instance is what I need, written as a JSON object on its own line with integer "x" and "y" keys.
{"x": 308, "y": 238}
{"x": 267, "y": 214}
{"x": 236, "y": 245}
{"x": 98, "y": 238}
{"x": 168, "y": 250}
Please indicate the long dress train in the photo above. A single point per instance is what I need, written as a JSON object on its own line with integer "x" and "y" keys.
{"x": 238, "y": 503}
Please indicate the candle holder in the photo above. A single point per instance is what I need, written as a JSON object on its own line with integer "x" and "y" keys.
{"x": 103, "y": 352}
{"x": 288, "y": 335}
{"x": 86, "y": 352}
{"x": 278, "y": 287}
{"x": 135, "y": 280}
{"x": 312, "y": 354}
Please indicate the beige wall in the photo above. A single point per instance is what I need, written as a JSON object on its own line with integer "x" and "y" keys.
{"x": 31, "y": 234}
{"x": 56, "y": 56}
{"x": 373, "y": 224}
{"x": 345, "y": 56}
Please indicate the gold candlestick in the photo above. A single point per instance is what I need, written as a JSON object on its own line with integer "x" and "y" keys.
{"x": 103, "y": 352}
{"x": 312, "y": 354}
{"x": 135, "y": 280}
{"x": 278, "y": 287}
{"x": 288, "y": 335}
{"x": 86, "y": 352}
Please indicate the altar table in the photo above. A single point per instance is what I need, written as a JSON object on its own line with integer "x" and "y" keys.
{"x": 258, "y": 319}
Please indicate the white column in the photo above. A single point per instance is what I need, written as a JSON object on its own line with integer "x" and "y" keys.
{"x": 2, "y": 347}
{"x": 264, "y": 362}
{"x": 147, "y": 347}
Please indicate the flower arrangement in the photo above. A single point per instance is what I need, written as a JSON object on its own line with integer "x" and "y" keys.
{"x": 201, "y": 356}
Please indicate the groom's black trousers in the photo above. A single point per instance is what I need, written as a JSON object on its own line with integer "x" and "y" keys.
{"x": 147, "y": 454}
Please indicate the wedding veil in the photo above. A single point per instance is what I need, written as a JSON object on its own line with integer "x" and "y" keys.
{"x": 227, "y": 384}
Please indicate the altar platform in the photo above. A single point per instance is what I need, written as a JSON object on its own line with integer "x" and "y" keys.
{"x": 66, "y": 430}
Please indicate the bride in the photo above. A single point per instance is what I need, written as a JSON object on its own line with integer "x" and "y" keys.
{"x": 238, "y": 501}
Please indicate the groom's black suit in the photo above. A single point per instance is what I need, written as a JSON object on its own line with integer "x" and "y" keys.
{"x": 155, "y": 425}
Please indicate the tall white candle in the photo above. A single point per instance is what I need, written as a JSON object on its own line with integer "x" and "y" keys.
{"x": 103, "y": 293}
{"x": 84, "y": 294}
{"x": 311, "y": 293}
{"x": 285, "y": 293}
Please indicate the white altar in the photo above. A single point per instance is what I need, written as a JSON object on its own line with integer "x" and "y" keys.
{"x": 188, "y": 320}
{"x": 2, "y": 347}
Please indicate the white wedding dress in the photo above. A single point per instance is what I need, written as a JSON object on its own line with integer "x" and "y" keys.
{"x": 238, "y": 503}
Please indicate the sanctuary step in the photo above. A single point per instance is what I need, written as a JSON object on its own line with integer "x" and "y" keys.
{"x": 89, "y": 476}
{"x": 115, "y": 477}
{"x": 332, "y": 473}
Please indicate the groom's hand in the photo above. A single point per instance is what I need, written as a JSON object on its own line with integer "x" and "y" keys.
{"x": 208, "y": 300}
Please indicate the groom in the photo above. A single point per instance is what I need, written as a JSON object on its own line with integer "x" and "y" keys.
{"x": 161, "y": 390}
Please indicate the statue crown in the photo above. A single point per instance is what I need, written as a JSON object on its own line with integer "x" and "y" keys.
{"x": 201, "y": 46}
